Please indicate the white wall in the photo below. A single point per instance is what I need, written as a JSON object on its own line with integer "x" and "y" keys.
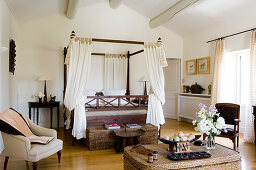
{"x": 8, "y": 30}
{"x": 43, "y": 41}
{"x": 195, "y": 46}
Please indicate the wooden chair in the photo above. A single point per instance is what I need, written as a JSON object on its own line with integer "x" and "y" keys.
{"x": 231, "y": 113}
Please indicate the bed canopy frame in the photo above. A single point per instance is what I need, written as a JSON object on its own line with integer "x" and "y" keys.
{"x": 129, "y": 55}
{"x": 120, "y": 119}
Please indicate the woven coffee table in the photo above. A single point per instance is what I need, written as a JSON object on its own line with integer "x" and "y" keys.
{"x": 221, "y": 158}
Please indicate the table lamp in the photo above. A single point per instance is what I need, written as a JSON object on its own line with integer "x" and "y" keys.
{"x": 44, "y": 78}
{"x": 144, "y": 79}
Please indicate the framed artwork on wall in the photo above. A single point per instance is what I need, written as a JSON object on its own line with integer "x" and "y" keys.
{"x": 203, "y": 65}
{"x": 191, "y": 67}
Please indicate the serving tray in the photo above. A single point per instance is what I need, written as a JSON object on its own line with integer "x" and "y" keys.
{"x": 174, "y": 142}
{"x": 188, "y": 155}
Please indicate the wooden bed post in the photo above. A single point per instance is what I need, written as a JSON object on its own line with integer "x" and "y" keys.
{"x": 128, "y": 74}
{"x": 65, "y": 72}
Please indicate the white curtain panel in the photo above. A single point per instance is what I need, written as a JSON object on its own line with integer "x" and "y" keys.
{"x": 115, "y": 72}
{"x": 79, "y": 63}
{"x": 155, "y": 61}
{"x": 217, "y": 72}
{"x": 249, "y": 120}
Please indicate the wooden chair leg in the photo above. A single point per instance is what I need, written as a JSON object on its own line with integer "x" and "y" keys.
{"x": 234, "y": 143}
{"x": 204, "y": 136}
{"x": 6, "y": 162}
{"x": 34, "y": 165}
{"x": 237, "y": 141}
{"x": 59, "y": 155}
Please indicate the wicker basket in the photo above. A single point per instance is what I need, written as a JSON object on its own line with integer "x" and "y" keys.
{"x": 98, "y": 137}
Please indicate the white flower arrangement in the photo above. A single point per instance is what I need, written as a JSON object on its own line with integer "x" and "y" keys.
{"x": 209, "y": 121}
{"x": 39, "y": 95}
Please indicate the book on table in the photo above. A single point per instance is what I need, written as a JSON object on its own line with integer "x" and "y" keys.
{"x": 112, "y": 126}
{"x": 133, "y": 125}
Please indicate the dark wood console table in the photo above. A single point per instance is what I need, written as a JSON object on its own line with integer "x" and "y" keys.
{"x": 254, "y": 113}
{"x": 50, "y": 105}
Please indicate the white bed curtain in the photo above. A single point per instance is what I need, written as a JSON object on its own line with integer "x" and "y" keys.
{"x": 115, "y": 72}
{"x": 249, "y": 120}
{"x": 155, "y": 61}
{"x": 78, "y": 63}
{"x": 217, "y": 72}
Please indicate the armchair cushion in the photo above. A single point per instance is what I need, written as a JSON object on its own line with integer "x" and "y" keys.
{"x": 38, "y": 151}
{"x": 17, "y": 125}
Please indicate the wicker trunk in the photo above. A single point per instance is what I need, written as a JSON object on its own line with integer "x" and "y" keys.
{"x": 97, "y": 137}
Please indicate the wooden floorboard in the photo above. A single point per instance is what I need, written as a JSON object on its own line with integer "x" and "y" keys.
{"x": 79, "y": 157}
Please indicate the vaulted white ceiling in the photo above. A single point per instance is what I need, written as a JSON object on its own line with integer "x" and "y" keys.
{"x": 200, "y": 16}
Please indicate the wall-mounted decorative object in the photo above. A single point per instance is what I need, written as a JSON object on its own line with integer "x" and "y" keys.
{"x": 203, "y": 65}
{"x": 12, "y": 55}
{"x": 191, "y": 67}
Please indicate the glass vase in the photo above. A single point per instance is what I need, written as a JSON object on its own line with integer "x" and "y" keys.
{"x": 210, "y": 144}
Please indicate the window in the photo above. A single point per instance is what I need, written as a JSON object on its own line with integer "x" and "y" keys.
{"x": 234, "y": 81}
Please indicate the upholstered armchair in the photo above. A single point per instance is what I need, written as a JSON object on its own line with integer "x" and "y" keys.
{"x": 20, "y": 147}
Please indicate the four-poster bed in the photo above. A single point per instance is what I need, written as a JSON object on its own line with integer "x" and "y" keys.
{"x": 97, "y": 102}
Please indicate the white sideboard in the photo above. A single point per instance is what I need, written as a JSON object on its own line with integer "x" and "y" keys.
{"x": 188, "y": 104}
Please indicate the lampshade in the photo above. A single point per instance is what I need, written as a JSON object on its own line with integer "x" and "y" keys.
{"x": 144, "y": 78}
{"x": 2, "y": 49}
{"x": 44, "y": 77}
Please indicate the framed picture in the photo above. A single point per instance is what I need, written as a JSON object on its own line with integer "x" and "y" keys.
{"x": 203, "y": 65}
{"x": 191, "y": 67}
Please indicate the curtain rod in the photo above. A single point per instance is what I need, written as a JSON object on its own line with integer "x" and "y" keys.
{"x": 98, "y": 54}
{"x": 117, "y": 41}
{"x": 73, "y": 35}
{"x": 102, "y": 54}
{"x": 231, "y": 35}
{"x": 137, "y": 52}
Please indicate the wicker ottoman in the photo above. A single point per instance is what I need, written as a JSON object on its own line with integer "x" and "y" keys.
{"x": 97, "y": 137}
{"x": 221, "y": 158}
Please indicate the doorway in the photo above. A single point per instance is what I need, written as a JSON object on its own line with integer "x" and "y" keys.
{"x": 172, "y": 88}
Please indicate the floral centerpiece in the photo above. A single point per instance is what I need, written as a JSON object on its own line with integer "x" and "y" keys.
{"x": 38, "y": 95}
{"x": 208, "y": 121}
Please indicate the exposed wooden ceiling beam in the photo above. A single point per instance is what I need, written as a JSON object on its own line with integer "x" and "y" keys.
{"x": 114, "y": 4}
{"x": 73, "y": 6}
{"x": 170, "y": 13}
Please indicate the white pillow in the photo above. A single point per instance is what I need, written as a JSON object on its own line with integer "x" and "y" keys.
{"x": 114, "y": 93}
